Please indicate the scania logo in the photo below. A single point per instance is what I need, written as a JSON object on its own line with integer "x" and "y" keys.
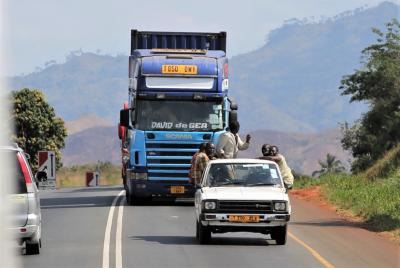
{"x": 179, "y": 136}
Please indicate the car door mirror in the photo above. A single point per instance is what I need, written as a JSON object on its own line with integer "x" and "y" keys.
{"x": 41, "y": 176}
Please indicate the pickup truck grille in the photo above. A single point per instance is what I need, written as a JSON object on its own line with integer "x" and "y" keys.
{"x": 245, "y": 207}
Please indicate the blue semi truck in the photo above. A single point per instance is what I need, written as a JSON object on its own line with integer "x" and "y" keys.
{"x": 178, "y": 99}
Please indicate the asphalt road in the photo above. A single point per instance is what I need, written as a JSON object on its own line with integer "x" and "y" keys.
{"x": 82, "y": 228}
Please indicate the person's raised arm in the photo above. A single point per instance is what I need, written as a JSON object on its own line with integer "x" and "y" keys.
{"x": 243, "y": 145}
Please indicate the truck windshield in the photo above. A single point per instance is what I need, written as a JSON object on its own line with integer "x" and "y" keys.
{"x": 174, "y": 115}
{"x": 243, "y": 174}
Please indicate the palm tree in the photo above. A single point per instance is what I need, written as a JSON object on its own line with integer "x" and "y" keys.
{"x": 330, "y": 165}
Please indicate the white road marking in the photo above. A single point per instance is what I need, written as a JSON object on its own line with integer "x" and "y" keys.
{"x": 68, "y": 205}
{"x": 175, "y": 217}
{"x": 118, "y": 240}
{"x": 107, "y": 235}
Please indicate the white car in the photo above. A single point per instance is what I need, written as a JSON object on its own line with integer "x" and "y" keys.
{"x": 242, "y": 195}
{"x": 26, "y": 216}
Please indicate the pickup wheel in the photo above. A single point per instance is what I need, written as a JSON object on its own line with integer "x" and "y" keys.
{"x": 280, "y": 235}
{"x": 32, "y": 248}
{"x": 203, "y": 233}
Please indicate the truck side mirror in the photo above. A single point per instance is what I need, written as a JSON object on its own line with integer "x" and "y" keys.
{"x": 233, "y": 104}
{"x": 121, "y": 132}
{"x": 124, "y": 118}
{"x": 232, "y": 116}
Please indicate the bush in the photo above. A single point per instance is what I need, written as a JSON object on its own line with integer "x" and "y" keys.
{"x": 75, "y": 176}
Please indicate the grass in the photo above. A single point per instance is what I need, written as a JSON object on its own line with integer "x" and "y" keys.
{"x": 384, "y": 166}
{"x": 75, "y": 176}
{"x": 378, "y": 202}
{"x": 305, "y": 182}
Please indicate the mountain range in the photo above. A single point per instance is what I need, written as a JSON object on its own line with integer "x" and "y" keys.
{"x": 287, "y": 90}
{"x": 302, "y": 150}
{"x": 289, "y": 84}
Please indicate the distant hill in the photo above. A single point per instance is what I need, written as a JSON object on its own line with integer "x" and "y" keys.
{"x": 85, "y": 84}
{"x": 289, "y": 84}
{"x": 86, "y": 122}
{"x": 301, "y": 150}
{"x": 92, "y": 145}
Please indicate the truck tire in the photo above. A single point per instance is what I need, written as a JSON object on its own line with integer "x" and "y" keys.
{"x": 280, "y": 235}
{"x": 130, "y": 198}
{"x": 203, "y": 233}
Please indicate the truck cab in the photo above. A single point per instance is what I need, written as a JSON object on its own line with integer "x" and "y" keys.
{"x": 178, "y": 99}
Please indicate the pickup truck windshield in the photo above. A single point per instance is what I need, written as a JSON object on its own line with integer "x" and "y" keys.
{"x": 245, "y": 174}
{"x": 171, "y": 115}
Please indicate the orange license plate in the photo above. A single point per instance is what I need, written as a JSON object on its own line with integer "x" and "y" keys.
{"x": 177, "y": 189}
{"x": 244, "y": 218}
{"x": 179, "y": 69}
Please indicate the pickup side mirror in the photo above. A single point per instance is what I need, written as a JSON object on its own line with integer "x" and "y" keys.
{"x": 41, "y": 176}
{"x": 197, "y": 186}
{"x": 124, "y": 118}
{"x": 288, "y": 187}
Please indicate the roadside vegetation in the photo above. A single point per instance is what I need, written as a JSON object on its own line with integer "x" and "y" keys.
{"x": 75, "y": 176}
{"x": 372, "y": 191}
{"x": 37, "y": 127}
{"x": 377, "y": 202}
{"x": 374, "y": 197}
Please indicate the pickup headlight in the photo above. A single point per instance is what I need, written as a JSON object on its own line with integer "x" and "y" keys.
{"x": 210, "y": 205}
{"x": 280, "y": 206}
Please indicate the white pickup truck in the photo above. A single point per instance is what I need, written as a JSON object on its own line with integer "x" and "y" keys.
{"x": 242, "y": 195}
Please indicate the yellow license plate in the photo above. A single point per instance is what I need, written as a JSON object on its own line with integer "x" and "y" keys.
{"x": 177, "y": 189}
{"x": 244, "y": 218}
{"x": 179, "y": 69}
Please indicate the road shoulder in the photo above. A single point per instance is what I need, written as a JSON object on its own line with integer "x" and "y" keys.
{"x": 319, "y": 224}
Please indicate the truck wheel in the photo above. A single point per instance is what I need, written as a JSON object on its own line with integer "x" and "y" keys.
{"x": 32, "y": 248}
{"x": 129, "y": 198}
{"x": 280, "y": 235}
{"x": 203, "y": 233}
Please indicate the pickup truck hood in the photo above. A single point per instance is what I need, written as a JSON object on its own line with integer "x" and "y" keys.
{"x": 244, "y": 193}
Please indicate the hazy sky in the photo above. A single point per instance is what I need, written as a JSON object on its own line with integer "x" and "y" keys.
{"x": 42, "y": 30}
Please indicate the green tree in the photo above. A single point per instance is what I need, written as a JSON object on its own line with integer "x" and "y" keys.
{"x": 330, "y": 165}
{"x": 378, "y": 85}
{"x": 37, "y": 128}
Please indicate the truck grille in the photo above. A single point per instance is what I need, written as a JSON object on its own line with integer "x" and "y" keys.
{"x": 169, "y": 161}
{"x": 245, "y": 206}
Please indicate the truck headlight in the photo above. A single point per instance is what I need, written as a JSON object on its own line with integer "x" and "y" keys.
{"x": 210, "y": 205}
{"x": 280, "y": 206}
{"x": 138, "y": 176}
{"x": 141, "y": 176}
